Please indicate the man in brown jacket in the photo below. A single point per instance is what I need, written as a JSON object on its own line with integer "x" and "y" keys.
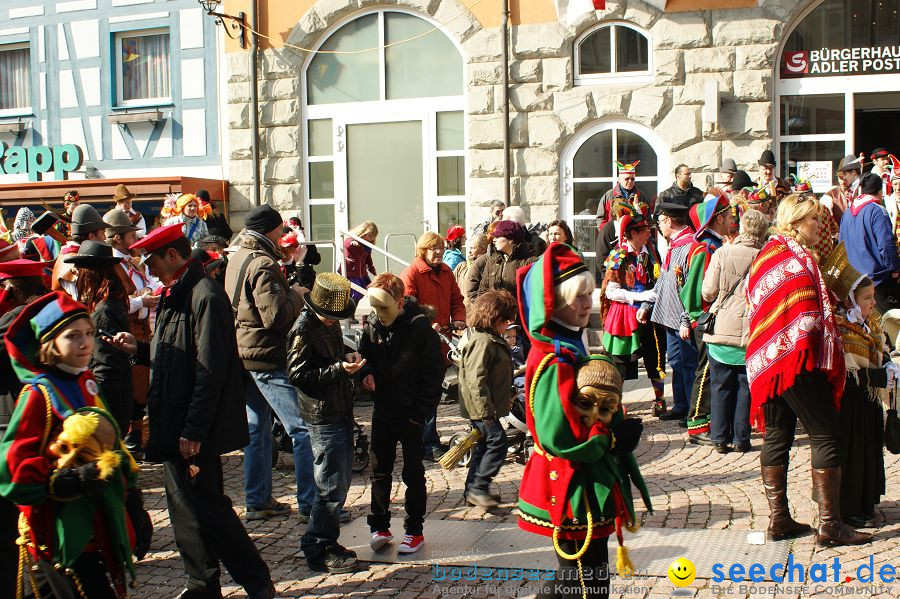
{"x": 265, "y": 309}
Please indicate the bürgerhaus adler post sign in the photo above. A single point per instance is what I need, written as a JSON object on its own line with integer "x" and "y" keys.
{"x": 824, "y": 62}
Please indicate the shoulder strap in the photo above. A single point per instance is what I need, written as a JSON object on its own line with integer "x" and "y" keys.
{"x": 733, "y": 289}
{"x": 239, "y": 283}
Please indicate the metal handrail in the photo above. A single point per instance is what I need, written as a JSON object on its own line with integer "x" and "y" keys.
{"x": 387, "y": 238}
{"x": 385, "y": 253}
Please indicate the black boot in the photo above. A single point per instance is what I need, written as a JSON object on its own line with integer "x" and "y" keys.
{"x": 781, "y": 525}
{"x": 832, "y": 530}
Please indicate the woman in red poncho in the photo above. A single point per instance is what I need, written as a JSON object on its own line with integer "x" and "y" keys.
{"x": 795, "y": 364}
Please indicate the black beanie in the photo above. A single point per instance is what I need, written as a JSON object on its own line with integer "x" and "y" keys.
{"x": 871, "y": 184}
{"x": 263, "y": 219}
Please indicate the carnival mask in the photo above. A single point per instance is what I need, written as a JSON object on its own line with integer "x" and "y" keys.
{"x": 594, "y": 405}
{"x": 386, "y": 308}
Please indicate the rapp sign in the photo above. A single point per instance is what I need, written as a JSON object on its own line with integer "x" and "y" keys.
{"x": 37, "y": 160}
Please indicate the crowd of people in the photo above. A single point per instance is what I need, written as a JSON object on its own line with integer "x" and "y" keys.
{"x": 762, "y": 299}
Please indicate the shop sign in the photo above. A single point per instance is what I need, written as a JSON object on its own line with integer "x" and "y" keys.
{"x": 817, "y": 173}
{"x": 37, "y": 160}
{"x": 826, "y": 62}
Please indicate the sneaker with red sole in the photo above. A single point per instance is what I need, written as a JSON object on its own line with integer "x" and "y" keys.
{"x": 411, "y": 544}
{"x": 380, "y": 539}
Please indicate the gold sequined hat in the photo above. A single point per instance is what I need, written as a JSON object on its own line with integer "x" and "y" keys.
{"x": 840, "y": 276}
{"x": 330, "y": 297}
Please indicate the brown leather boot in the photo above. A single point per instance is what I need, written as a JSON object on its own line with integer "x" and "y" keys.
{"x": 781, "y": 525}
{"x": 832, "y": 530}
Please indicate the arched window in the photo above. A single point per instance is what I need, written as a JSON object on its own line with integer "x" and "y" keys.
{"x": 611, "y": 51}
{"x": 589, "y": 171}
{"x": 837, "y": 91}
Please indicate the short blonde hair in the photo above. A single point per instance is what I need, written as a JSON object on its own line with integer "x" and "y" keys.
{"x": 365, "y": 228}
{"x": 427, "y": 241}
{"x": 755, "y": 226}
{"x": 793, "y": 209}
{"x": 566, "y": 292}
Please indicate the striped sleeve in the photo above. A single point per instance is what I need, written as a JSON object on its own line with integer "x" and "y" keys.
{"x": 692, "y": 290}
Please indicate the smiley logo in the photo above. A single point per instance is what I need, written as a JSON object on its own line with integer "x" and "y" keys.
{"x": 682, "y": 572}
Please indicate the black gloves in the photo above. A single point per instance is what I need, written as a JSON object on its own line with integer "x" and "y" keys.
{"x": 628, "y": 434}
{"x": 69, "y": 483}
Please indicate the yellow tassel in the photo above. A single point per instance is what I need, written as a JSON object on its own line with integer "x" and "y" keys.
{"x": 633, "y": 527}
{"x": 78, "y": 428}
{"x": 107, "y": 463}
{"x": 624, "y": 567}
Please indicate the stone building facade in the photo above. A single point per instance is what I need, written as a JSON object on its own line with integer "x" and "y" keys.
{"x": 708, "y": 94}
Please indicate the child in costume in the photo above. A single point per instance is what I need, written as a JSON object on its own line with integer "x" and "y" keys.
{"x": 62, "y": 461}
{"x": 576, "y": 487}
{"x": 191, "y": 212}
{"x": 631, "y": 273}
{"x": 869, "y": 375}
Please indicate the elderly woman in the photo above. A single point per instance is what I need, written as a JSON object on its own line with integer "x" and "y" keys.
{"x": 725, "y": 288}
{"x": 431, "y": 282}
{"x": 795, "y": 367}
{"x": 186, "y": 213}
{"x": 577, "y": 485}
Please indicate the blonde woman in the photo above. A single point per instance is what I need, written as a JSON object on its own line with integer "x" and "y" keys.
{"x": 795, "y": 366}
{"x": 358, "y": 257}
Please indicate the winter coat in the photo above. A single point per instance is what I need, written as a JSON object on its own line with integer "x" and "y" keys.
{"x": 485, "y": 376}
{"x": 435, "y": 287}
{"x": 496, "y": 270}
{"x": 453, "y": 257}
{"x": 357, "y": 259}
{"x": 668, "y": 195}
{"x": 729, "y": 265}
{"x": 315, "y": 368}
{"x": 112, "y": 366}
{"x": 405, "y": 359}
{"x": 196, "y": 380}
{"x": 267, "y": 306}
{"x": 617, "y": 194}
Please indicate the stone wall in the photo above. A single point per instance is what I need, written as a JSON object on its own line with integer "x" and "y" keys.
{"x": 736, "y": 48}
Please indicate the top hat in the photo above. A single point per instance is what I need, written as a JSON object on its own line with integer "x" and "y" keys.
{"x": 119, "y": 222}
{"x": 121, "y": 194}
{"x": 330, "y": 297}
{"x": 839, "y": 275}
{"x": 92, "y": 254}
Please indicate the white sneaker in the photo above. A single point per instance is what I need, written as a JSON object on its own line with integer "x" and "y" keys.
{"x": 411, "y": 544}
{"x": 380, "y": 539}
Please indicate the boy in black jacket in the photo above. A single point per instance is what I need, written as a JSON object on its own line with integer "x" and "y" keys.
{"x": 404, "y": 370}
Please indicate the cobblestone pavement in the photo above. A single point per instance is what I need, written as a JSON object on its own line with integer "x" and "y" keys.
{"x": 691, "y": 487}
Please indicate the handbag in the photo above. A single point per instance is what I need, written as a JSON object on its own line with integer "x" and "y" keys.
{"x": 706, "y": 322}
{"x": 892, "y": 428}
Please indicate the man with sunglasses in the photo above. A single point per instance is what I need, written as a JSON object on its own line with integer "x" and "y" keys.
{"x": 625, "y": 191}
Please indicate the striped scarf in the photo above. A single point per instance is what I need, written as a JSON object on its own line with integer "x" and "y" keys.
{"x": 792, "y": 325}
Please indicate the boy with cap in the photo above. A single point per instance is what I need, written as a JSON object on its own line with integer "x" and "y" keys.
{"x": 668, "y": 309}
{"x": 869, "y": 238}
{"x": 265, "y": 308}
{"x": 196, "y": 409}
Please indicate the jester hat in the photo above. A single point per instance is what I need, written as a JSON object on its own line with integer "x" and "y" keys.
{"x": 762, "y": 194}
{"x": 631, "y": 221}
{"x": 800, "y": 185}
{"x": 895, "y": 167}
{"x": 627, "y": 168}
{"x": 703, "y": 213}
{"x": 536, "y": 284}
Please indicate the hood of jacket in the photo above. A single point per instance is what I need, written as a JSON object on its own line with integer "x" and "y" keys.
{"x": 252, "y": 240}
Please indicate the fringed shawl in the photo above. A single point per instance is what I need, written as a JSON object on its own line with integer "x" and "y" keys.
{"x": 863, "y": 349}
{"x": 792, "y": 326}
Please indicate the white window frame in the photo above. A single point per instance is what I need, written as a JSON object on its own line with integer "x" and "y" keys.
{"x": 567, "y": 180}
{"x": 614, "y": 76}
{"x": 846, "y": 85}
{"x": 117, "y": 58}
{"x": 23, "y": 110}
{"x": 423, "y": 109}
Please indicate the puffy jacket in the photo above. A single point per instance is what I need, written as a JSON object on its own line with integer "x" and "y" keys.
{"x": 406, "y": 360}
{"x": 496, "y": 270}
{"x": 267, "y": 306}
{"x": 728, "y": 267}
{"x": 435, "y": 287}
{"x": 196, "y": 381}
{"x": 314, "y": 367}
{"x": 485, "y": 377}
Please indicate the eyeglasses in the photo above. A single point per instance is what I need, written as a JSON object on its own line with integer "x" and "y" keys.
{"x": 628, "y": 178}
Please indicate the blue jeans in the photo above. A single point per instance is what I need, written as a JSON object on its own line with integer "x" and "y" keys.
{"x": 682, "y": 356}
{"x": 487, "y": 456}
{"x": 332, "y": 446}
{"x": 730, "y": 394}
{"x": 267, "y": 391}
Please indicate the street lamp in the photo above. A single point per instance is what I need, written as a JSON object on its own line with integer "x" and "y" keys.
{"x": 238, "y": 23}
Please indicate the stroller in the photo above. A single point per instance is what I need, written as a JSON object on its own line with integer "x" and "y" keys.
{"x": 281, "y": 441}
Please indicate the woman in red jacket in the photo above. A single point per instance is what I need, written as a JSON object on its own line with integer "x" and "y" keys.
{"x": 431, "y": 282}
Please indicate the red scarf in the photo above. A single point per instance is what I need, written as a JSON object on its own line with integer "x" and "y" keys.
{"x": 792, "y": 326}
{"x": 684, "y": 237}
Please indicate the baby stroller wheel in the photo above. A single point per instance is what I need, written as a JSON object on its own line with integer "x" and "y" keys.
{"x": 360, "y": 449}
{"x": 467, "y": 457}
